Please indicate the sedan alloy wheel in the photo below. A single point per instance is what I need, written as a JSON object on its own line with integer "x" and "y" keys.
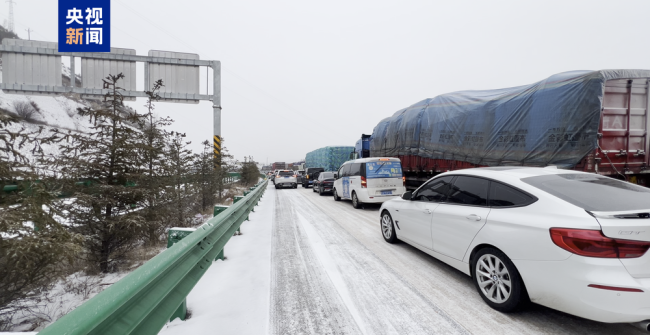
{"x": 493, "y": 278}
{"x": 498, "y": 281}
{"x": 387, "y": 228}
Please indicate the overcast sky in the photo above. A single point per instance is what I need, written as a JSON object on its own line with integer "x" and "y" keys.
{"x": 300, "y": 75}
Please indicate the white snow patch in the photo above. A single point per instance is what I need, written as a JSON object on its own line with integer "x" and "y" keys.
{"x": 66, "y": 295}
{"x": 233, "y": 296}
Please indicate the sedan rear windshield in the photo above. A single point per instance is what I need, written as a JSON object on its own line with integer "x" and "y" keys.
{"x": 383, "y": 169}
{"x": 593, "y": 192}
{"x": 327, "y": 175}
{"x": 285, "y": 173}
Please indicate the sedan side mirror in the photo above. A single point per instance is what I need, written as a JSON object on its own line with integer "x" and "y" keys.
{"x": 407, "y": 195}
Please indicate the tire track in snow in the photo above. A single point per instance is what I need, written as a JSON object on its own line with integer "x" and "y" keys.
{"x": 303, "y": 299}
{"x": 377, "y": 298}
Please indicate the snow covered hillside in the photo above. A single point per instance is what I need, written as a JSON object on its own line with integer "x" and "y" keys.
{"x": 49, "y": 112}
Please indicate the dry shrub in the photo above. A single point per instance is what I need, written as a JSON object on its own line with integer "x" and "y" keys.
{"x": 82, "y": 285}
{"x": 140, "y": 255}
{"x": 26, "y": 110}
{"x": 35, "y": 106}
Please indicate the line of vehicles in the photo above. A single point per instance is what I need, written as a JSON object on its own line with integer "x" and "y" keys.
{"x": 481, "y": 199}
{"x": 524, "y": 234}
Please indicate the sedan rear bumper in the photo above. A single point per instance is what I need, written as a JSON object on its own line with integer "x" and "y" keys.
{"x": 564, "y": 285}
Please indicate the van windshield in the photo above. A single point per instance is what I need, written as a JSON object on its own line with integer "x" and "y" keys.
{"x": 383, "y": 169}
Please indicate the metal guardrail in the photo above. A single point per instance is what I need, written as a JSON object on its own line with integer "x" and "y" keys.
{"x": 143, "y": 301}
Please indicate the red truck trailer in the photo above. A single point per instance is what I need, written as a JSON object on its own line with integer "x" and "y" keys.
{"x": 594, "y": 121}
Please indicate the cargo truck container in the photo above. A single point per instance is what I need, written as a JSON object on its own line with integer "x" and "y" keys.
{"x": 594, "y": 121}
{"x": 328, "y": 158}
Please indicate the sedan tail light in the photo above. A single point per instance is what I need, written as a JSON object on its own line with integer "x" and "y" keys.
{"x": 592, "y": 243}
{"x": 364, "y": 184}
{"x": 403, "y": 181}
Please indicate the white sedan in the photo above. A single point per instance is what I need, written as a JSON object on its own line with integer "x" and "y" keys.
{"x": 571, "y": 241}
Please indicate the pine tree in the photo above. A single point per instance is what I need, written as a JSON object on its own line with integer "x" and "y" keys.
{"x": 250, "y": 173}
{"x": 209, "y": 177}
{"x": 32, "y": 243}
{"x": 153, "y": 140}
{"x": 107, "y": 161}
{"x": 179, "y": 194}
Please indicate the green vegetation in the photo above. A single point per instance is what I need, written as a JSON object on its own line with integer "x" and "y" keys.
{"x": 125, "y": 182}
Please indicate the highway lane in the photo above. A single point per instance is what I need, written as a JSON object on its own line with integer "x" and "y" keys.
{"x": 332, "y": 273}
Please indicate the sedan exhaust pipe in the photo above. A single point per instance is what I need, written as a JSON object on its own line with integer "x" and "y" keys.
{"x": 645, "y": 325}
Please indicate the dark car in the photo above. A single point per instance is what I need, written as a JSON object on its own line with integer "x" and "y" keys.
{"x": 309, "y": 177}
{"x": 324, "y": 183}
{"x": 300, "y": 174}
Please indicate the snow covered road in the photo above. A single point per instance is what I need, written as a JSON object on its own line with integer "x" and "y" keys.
{"x": 332, "y": 273}
{"x": 306, "y": 264}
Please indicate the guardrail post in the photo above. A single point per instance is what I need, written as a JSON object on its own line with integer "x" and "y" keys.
{"x": 173, "y": 236}
{"x": 217, "y": 210}
{"x": 221, "y": 256}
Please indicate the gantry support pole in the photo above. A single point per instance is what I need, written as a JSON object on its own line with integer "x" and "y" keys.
{"x": 216, "y": 108}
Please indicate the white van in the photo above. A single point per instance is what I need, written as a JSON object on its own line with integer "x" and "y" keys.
{"x": 369, "y": 180}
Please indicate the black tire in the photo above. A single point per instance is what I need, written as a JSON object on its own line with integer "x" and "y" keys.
{"x": 320, "y": 191}
{"x": 336, "y": 196}
{"x": 313, "y": 189}
{"x": 276, "y": 187}
{"x": 387, "y": 228}
{"x": 355, "y": 201}
{"x": 295, "y": 185}
{"x": 494, "y": 278}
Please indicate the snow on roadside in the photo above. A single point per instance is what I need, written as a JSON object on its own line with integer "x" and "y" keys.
{"x": 69, "y": 293}
{"x": 66, "y": 295}
{"x": 233, "y": 295}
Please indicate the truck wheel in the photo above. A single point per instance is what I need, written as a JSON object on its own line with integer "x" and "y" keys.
{"x": 355, "y": 201}
{"x": 336, "y": 196}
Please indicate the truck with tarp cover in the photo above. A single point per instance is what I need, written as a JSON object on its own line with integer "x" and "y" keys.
{"x": 594, "y": 121}
{"x": 328, "y": 158}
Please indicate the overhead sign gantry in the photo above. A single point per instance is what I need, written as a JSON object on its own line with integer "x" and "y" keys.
{"x": 34, "y": 67}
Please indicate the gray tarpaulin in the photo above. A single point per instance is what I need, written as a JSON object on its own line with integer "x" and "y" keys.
{"x": 554, "y": 121}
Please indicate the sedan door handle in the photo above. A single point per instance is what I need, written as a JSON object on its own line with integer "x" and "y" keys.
{"x": 473, "y": 217}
